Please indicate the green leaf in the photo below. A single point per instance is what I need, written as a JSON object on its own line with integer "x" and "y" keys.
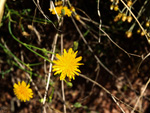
{"x": 75, "y": 45}
{"x": 86, "y": 33}
{"x": 41, "y": 100}
{"x": 77, "y": 105}
{"x": 62, "y": 12}
{"x": 69, "y": 84}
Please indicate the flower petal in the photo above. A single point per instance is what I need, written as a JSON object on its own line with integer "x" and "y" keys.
{"x": 67, "y": 64}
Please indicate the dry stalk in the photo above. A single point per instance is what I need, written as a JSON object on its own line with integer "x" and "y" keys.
{"x": 49, "y": 73}
{"x": 62, "y": 82}
{"x": 91, "y": 50}
{"x": 142, "y": 93}
{"x": 108, "y": 92}
{"x": 2, "y": 4}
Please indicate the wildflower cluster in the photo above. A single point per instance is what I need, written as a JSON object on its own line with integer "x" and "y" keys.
{"x": 123, "y": 15}
{"x": 114, "y": 6}
{"x": 22, "y": 91}
{"x": 147, "y": 28}
{"x": 67, "y": 64}
{"x": 62, "y": 10}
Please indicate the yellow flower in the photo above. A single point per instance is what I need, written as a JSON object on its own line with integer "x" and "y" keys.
{"x": 22, "y": 91}
{"x": 61, "y": 11}
{"x": 67, "y": 11}
{"x": 67, "y": 65}
{"x": 57, "y": 9}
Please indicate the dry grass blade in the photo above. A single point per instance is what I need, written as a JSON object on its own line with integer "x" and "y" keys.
{"x": 142, "y": 93}
{"x": 62, "y": 82}
{"x": 91, "y": 50}
{"x": 49, "y": 74}
{"x": 99, "y": 85}
{"x": 118, "y": 104}
{"x": 143, "y": 58}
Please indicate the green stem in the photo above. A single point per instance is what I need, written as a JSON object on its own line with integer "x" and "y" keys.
{"x": 24, "y": 44}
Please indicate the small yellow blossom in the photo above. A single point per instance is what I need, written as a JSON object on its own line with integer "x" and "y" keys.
{"x": 118, "y": 17}
{"x": 124, "y": 17}
{"x": 129, "y": 18}
{"x": 61, "y": 11}
{"x": 111, "y": 7}
{"x": 139, "y": 31}
{"x": 129, "y": 3}
{"x": 58, "y": 3}
{"x": 116, "y": 8}
{"x": 77, "y": 17}
{"x": 72, "y": 9}
{"x": 129, "y": 34}
{"x": 147, "y": 24}
{"x": 22, "y": 91}
{"x": 143, "y": 33}
{"x": 67, "y": 64}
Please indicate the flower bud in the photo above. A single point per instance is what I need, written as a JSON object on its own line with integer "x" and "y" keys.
{"x": 129, "y": 19}
{"x": 128, "y": 34}
{"x": 129, "y": 3}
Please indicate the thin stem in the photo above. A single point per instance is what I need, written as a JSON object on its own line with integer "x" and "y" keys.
{"x": 142, "y": 93}
{"x": 143, "y": 58}
{"x": 23, "y": 67}
{"x": 99, "y": 85}
{"x": 50, "y": 68}
{"x": 24, "y": 44}
{"x": 100, "y": 20}
{"x": 91, "y": 50}
{"x": 118, "y": 104}
{"x": 62, "y": 82}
